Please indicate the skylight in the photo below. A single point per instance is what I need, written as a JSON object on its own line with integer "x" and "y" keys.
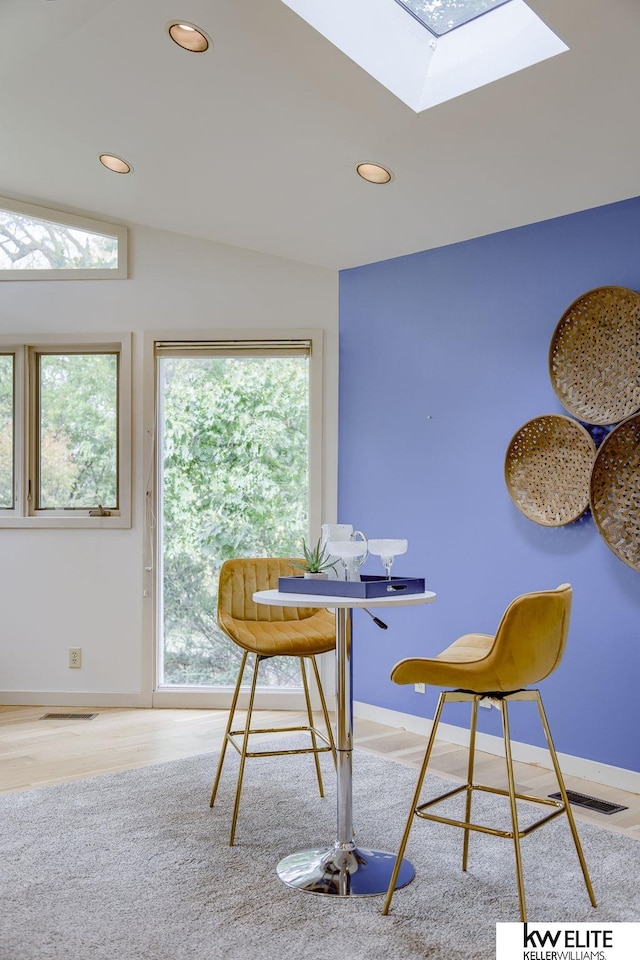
{"x": 472, "y": 42}
{"x": 442, "y": 16}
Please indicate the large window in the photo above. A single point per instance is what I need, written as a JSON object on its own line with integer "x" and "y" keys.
{"x": 37, "y": 243}
{"x": 65, "y": 412}
{"x": 237, "y": 475}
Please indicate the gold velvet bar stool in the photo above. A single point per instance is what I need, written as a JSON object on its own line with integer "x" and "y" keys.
{"x": 270, "y": 632}
{"x": 527, "y": 647}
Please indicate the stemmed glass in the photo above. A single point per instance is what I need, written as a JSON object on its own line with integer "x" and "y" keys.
{"x": 353, "y": 553}
{"x": 388, "y": 550}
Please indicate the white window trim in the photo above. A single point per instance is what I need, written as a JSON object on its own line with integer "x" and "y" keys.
{"x": 169, "y": 695}
{"x": 24, "y": 446}
{"x": 68, "y": 220}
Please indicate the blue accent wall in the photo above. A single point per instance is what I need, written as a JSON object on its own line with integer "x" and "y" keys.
{"x": 443, "y": 356}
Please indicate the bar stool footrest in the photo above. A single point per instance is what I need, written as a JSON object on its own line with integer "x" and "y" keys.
{"x": 279, "y": 753}
{"x": 479, "y": 828}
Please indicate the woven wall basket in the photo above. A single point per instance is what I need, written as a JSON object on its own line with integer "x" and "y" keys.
{"x": 615, "y": 491}
{"x": 547, "y": 469}
{"x": 594, "y": 357}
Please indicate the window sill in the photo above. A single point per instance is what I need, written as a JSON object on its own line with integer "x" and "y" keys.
{"x": 116, "y": 522}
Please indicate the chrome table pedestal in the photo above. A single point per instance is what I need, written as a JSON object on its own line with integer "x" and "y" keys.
{"x": 343, "y": 869}
{"x": 355, "y": 872}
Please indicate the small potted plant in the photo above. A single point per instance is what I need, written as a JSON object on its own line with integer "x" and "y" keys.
{"x": 316, "y": 562}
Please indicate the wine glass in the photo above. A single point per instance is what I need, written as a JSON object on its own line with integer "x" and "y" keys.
{"x": 387, "y": 550}
{"x": 351, "y": 552}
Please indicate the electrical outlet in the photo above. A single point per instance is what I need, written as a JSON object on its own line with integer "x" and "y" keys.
{"x": 75, "y": 658}
{"x": 419, "y": 687}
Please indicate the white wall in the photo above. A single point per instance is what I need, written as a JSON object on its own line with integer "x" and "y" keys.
{"x": 65, "y": 588}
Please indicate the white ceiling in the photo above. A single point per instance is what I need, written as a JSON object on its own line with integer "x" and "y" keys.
{"x": 255, "y": 143}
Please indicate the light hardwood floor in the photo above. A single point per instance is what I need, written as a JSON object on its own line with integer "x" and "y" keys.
{"x": 37, "y": 753}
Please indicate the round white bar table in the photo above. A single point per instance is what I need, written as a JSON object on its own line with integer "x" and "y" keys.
{"x": 343, "y": 869}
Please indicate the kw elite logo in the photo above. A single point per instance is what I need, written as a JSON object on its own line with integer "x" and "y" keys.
{"x": 548, "y": 943}
{"x": 567, "y": 941}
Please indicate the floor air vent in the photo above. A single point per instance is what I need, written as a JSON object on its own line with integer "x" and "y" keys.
{"x": 69, "y": 716}
{"x": 590, "y": 803}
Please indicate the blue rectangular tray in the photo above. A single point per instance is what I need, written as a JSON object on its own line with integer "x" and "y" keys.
{"x": 367, "y": 586}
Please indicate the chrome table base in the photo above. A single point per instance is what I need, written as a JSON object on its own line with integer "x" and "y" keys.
{"x": 342, "y": 870}
{"x": 354, "y": 872}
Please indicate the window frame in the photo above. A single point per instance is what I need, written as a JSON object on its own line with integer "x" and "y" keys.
{"x": 176, "y": 695}
{"x": 52, "y": 216}
{"x": 14, "y": 410}
{"x": 26, "y": 349}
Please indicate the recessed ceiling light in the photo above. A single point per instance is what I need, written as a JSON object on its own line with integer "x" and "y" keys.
{"x": 116, "y": 164}
{"x": 373, "y": 172}
{"x": 189, "y": 37}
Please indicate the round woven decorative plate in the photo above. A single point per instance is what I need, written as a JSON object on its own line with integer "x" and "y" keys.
{"x": 615, "y": 491}
{"x": 594, "y": 357}
{"x": 547, "y": 469}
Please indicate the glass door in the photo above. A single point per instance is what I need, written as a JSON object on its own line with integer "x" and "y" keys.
{"x": 232, "y": 465}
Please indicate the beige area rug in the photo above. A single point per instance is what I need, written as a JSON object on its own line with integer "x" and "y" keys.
{"x": 135, "y": 866}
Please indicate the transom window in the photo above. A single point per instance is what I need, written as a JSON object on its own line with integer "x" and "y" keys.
{"x": 41, "y": 244}
{"x": 442, "y": 16}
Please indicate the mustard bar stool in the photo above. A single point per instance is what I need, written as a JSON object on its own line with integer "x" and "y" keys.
{"x": 527, "y": 647}
{"x": 267, "y": 631}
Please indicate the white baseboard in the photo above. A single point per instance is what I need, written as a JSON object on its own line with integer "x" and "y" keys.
{"x": 40, "y": 698}
{"x": 176, "y": 699}
{"x": 220, "y": 699}
{"x": 572, "y": 766}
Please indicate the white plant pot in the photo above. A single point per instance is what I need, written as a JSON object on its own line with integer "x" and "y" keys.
{"x": 316, "y": 576}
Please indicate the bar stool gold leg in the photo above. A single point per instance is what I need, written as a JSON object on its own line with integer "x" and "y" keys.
{"x": 514, "y": 811}
{"x": 243, "y": 755}
{"x": 314, "y": 742}
{"x": 565, "y": 799}
{"x": 472, "y": 751}
{"x": 228, "y": 730}
{"x": 414, "y": 804}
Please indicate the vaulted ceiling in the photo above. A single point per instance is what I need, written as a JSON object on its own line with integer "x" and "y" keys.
{"x": 255, "y": 142}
